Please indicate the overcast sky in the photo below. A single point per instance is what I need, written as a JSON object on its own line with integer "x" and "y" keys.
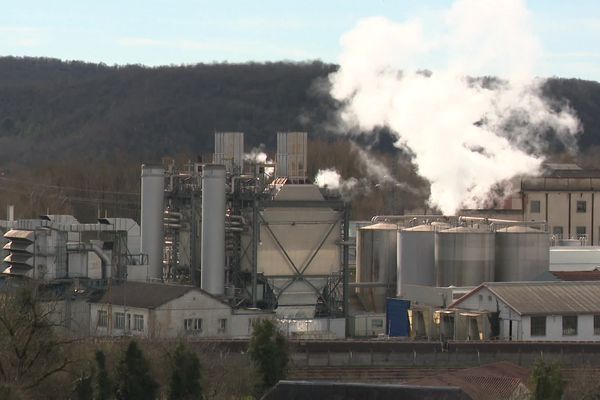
{"x": 163, "y": 32}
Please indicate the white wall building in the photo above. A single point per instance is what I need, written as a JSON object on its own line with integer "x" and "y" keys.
{"x": 168, "y": 311}
{"x": 540, "y": 311}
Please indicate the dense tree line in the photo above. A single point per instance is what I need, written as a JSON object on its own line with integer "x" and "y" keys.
{"x": 52, "y": 110}
{"x": 73, "y": 134}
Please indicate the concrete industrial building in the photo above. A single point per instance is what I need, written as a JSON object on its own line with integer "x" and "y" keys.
{"x": 239, "y": 237}
{"x": 566, "y": 196}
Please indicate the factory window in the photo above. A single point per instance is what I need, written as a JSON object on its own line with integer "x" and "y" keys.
{"x": 557, "y": 231}
{"x": 138, "y": 322}
{"x": 376, "y": 324}
{"x": 538, "y": 326}
{"x": 596, "y": 324}
{"x": 192, "y": 324}
{"x": 222, "y": 325}
{"x": 120, "y": 320}
{"x": 569, "y": 323}
{"x": 580, "y": 231}
{"x": 581, "y": 206}
{"x": 534, "y": 206}
{"x": 102, "y": 318}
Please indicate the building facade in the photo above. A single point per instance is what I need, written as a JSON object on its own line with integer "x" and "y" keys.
{"x": 530, "y": 311}
{"x": 168, "y": 311}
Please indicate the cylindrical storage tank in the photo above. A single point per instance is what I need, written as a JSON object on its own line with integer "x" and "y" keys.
{"x": 151, "y": 240}
{"x": 416, "y": 255}
{"x": 376, "y": 264}
{"x": 213, "y": 229}
{"x": 464, "y": 256}
{"x": 522, "y": 253}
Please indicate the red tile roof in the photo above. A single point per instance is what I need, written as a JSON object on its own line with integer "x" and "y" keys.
{"x": 500, "y": 380}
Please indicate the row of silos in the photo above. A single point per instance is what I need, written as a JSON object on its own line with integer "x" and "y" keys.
{"x": 438, "y": 254}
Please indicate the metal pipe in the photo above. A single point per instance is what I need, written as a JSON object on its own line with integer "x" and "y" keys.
{"x": 392, "y": 218}
{"x": 173, "y": 213}
{"x": 495, "y": 222}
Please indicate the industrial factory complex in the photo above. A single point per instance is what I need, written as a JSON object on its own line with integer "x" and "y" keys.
{"x": 223, "y": 245}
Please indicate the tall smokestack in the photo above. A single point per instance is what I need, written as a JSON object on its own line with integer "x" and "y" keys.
{"x": 213, "y": 229}
{"x": 153, "y": 187}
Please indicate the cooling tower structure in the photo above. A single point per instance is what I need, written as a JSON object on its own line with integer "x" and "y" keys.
{"x": 229, "y": 151}
{"x": 291, "y": 156}
{"x": 151, "y": 243}
{"x": 376, "y": 264}
{"x": 416, "y": 255}
{"x": 464, "y": 256}
{"x": 522, "y": 253}
{"x": 213, "y": 229}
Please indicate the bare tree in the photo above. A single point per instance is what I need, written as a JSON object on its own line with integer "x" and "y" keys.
{"x": 31, "y": 350}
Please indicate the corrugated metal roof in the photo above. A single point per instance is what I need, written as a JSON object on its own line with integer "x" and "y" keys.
{"x": 546, "y": 298}
{"x": 20, "y": 234}
{"x": 146, "y": 295}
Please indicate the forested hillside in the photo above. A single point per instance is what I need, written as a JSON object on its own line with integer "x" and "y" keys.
{"x": 72, "y": 134}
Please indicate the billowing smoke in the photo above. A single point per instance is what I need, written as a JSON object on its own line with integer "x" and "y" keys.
{"x": 258, "y": 156}
{"x": 466, "y": 133}
{"x": 331, "y": 179}
{"x": 373, "y": 174}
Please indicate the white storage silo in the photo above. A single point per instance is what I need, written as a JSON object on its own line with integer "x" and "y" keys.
{"x": 213, "y": 229}
{"x": 376, "y": 264}
{"x": 522, "y": 253}
{"x": 416, "y": 255}
{"x": 151, "y": 241}
{"x": 464, "y": 256}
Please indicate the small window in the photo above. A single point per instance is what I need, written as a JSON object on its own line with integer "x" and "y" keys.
{"x": 102, "y": 318}
{"x": 138, "y": 322}
{"x": 376, "y": 323}
{"x": 580, "y": 231}
{"x": 120, "y": 320}
{"x": 222, "y": 325}
{"x": 192, "y": 324}
{"x": 557, "y": 231}
{"x": 128, "y": 322}
{"x": 596, "y": 324}
{"x": 569, "y": 323}
{"x": 581, "y": 206}
{"x": 534, "y": 206}
{"x": 538, "y": 326}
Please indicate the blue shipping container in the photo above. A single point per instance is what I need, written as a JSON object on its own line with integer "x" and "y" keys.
{"x": 396, "y": 317}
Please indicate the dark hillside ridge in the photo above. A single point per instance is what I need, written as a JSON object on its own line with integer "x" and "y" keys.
{"x": 50, "y": 109}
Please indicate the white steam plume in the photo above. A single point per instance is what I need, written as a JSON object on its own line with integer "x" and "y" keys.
{"x": 375, "y": 174}
{"x": 466, "y": 134}
{"x": 258, "y": 156}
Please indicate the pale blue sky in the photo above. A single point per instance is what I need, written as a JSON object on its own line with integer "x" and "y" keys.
{"x": 161, "y": 32}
